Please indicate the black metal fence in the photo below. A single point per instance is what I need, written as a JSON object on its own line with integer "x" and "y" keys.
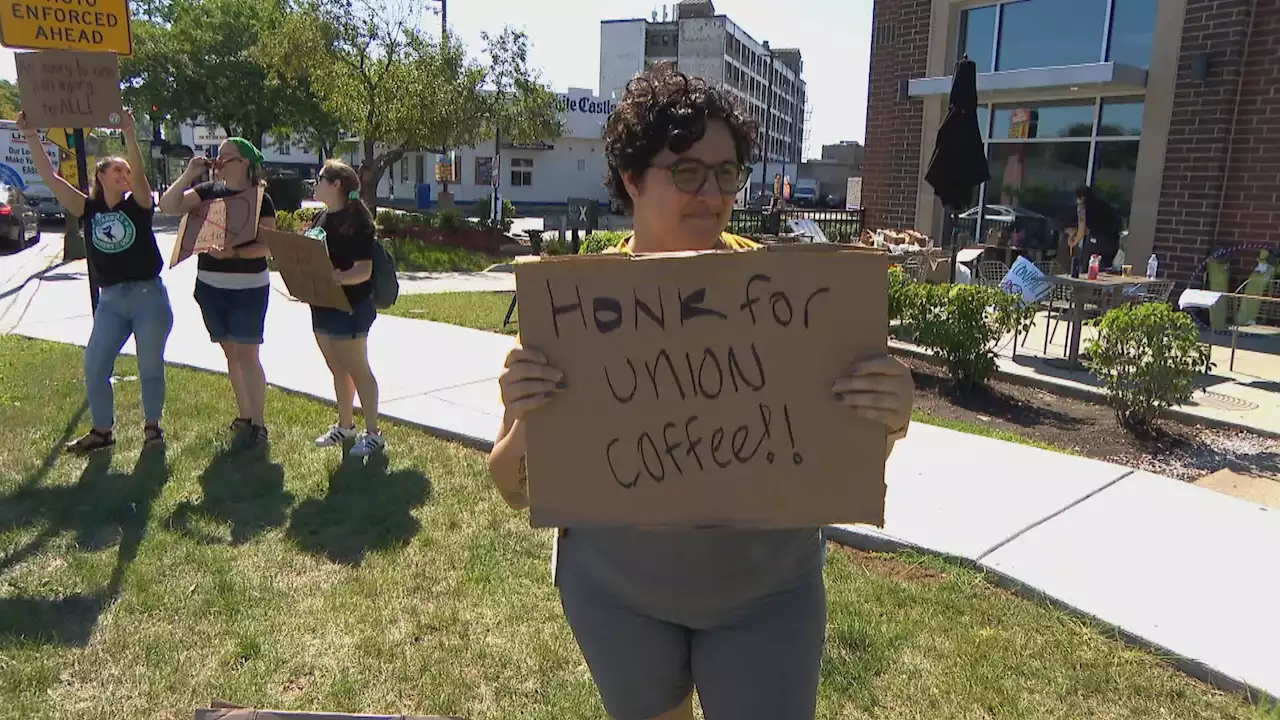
{"x": 841, "y": 226}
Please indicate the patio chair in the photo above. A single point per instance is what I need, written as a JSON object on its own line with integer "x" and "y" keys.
{"x": 1268, "y": 313}
{"x": 991, "y": 272}
{"x": 1058, "y": 294}
{"x": 915, "y": 268}
{"x": 1156, "y": 292}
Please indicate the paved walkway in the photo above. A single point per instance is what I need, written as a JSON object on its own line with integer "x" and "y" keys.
{"x": 1184, "y": 569}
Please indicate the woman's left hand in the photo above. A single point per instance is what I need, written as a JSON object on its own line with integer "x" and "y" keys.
{"x": 880, "y": 390}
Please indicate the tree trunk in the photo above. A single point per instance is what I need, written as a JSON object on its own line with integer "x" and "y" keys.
{"x": 370, "y": 174}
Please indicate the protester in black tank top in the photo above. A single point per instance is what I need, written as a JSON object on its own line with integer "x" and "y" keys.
{"x": 347, "y": 229}
{"x": 126, "y": 262}
{"x": 233, "y": 285}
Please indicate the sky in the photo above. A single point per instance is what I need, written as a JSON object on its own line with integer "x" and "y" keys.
{"x": 834, "y": 37}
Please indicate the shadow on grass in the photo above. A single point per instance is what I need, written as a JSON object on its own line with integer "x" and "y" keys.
{"x": 104, "y": 508}
{"x": 243, "y": 489}
{"x": 366, "y": 510}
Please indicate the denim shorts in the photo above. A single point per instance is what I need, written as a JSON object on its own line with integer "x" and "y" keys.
{"x": 236, "y": 316}
{"x": 344, "y": 325}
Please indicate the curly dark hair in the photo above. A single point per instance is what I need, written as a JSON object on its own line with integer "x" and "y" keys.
{"x": 664, "y": 108}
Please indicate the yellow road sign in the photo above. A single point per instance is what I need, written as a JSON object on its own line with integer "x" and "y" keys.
{"x": 67, "y": 168}
{"x": 93, "y": 25}
{"x": 58, "y": 136}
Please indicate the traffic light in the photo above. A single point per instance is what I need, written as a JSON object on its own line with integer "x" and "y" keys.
{"x": 71, "y": 140}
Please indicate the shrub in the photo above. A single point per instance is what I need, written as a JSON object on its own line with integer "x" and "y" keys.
{"x": 480, "y": 209}
{"x": 306, "y": 215}
{"x": 286, "y": 221}
{"x": 391, "y": 223}
{"x": 601, "y": 240}
{"x": 1148, "y": 355}
{"x": 961, "y": 324}
{"x": 449, "y": 221}
{"x": 553, "y": 245}
{"x": 899, "y": 287}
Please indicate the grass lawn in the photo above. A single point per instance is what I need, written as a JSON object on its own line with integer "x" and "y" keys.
{"x": 414, "y": 256}
{"x": 479, "y": 310}
{"x": 141, "y": 585}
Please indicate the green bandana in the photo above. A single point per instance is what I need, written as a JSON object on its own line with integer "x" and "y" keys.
{"x": 247, "y": 150}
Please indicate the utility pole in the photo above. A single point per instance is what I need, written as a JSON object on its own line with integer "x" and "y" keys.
{"x": 82, "y": 171}
{"x": 444, "y": 35}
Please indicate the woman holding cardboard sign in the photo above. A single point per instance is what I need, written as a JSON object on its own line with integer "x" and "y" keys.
{"x": 347, "y": 229}
{"x": 233, "y": 284}
{"x": 117, "y": 216}
{"x": 739, "y": 614}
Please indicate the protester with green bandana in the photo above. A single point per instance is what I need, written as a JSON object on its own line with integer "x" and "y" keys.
{"x": 232, "y": 286}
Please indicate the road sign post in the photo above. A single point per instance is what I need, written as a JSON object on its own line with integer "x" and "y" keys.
{"x": 82, "y": 175}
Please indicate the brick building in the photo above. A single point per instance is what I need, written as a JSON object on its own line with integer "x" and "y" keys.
{"x": 1167, "y": 108}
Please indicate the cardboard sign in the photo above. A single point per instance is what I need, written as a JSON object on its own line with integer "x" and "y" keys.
{"x": 102, "y": 26}
{"x": 699, "y": 387}
{"x": 65, "y": 88}
{"x": 228, "y": 222}
{"x": 306, "y": 269}
{"x": 1025, "y": 279}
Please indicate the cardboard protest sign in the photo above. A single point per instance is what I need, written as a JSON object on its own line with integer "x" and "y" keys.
{"x": 66, "y": 88}
{"x": 1025, "y": 279}
{"x": 699, "y": 387}
{"x": 218, "y": 224}
{"x": 305, "y": 267}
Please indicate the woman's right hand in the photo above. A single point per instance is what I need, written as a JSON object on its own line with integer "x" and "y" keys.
{"x": 198, "y": 165}
{"x": 24, "y": 124}
{"x": 528, "y": 382}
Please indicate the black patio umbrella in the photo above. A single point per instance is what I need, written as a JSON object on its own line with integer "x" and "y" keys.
{"x": 959, "y": 162}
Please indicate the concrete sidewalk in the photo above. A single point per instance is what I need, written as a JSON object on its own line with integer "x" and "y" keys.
{"x": 1180, "y": 568}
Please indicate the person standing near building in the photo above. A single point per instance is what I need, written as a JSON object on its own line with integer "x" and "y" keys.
{"x": 1098, "y": 229}
{"x": 121, "y": 245}
{"x": 739, "y": 614}
{"x": 347, "y": 229}
{"x": 234, "y": 284}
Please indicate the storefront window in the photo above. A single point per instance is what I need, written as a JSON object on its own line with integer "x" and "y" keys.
{"x": 1121, "y": 118}
{"x": 1040, "y": 120}
{"x": 1115, "y": 166}
{"x": 1033, "y": 184}
{"x": 1133, "y": 27}
{"x": 522, "y": 172}
{"x": 1050, "y": 33}
{"x": 977, "y": 36}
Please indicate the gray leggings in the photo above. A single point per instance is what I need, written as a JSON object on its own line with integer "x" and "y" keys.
{"x": 760, "y": 661}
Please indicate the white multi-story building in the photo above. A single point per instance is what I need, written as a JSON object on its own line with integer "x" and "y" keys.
{"x": 278, "y": 152}
{"x": 704, "y": 44}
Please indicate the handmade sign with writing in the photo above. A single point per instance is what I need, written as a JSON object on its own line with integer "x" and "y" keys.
{"x": 304, "y": 264}
{"x": 217, "y": 224}
{"x": 699, "y": 387}
{"x": 66, "y": 88}
{"x": 1025, "y": 279}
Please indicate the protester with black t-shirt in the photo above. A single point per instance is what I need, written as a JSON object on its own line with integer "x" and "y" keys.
{"x": 233, "y": 285}
{"x": 121, "y": 247}
{"x": 1098, "y": 229}
{"x": 346, "y": 227}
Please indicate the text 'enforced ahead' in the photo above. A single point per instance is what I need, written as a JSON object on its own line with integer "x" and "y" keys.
{"x": 699, "y": 388}
{"x": 90, "y": 25}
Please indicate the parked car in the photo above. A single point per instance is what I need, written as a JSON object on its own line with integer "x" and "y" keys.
{"x": 19, "y": 222}
{"x": 45, "y": 204}
{"x": 804, "y": 197}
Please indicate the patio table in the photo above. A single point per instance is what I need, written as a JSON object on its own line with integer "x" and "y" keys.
{"x": 1106, "y": 282}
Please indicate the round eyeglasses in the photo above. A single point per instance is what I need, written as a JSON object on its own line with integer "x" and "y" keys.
{"x": 690, "y": 176}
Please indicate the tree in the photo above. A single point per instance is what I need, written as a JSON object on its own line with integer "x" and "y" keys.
{"x": 399, "y": 91}
{"x": 9, "y": 100}
{"x": 199, "y": 60}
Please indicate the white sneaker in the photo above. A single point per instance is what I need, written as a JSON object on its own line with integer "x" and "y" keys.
{"x": 336, "y": 436}
{"x": 368, "y": 444}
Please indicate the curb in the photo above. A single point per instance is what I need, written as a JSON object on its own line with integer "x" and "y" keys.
{"x": 871, "y": 540}
{"x": 1078, "y": 392}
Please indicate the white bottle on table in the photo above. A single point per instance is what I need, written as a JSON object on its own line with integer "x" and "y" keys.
{"x": 1152, "y": 267}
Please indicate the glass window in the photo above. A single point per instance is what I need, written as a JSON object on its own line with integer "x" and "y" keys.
{"x": 1032, "y": 189}
{"x": 1050, "y": 33}
{"x": 484, "y": 171}
{"x": 984, "y": 117}
{"x": 1037, "y": 120}
{"x": 522, "y": 172}
{"x": 1121, "y": 118}
{"x": 1133, "y": 27}
{"x": 977, "y": 36}
{"x": 1115, "y": 165}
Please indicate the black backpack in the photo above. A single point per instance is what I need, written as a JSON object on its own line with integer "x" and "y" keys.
{"x": 386, "y": 284}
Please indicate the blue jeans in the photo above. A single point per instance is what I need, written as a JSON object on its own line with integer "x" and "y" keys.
{"x": 140, "y": 309}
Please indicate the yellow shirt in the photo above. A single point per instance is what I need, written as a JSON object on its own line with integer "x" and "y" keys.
{"x": 728, "y": 241}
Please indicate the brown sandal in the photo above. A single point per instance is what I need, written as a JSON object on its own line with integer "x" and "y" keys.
{"x": 91, "y": 441}
{"x": 152, "y": 435}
